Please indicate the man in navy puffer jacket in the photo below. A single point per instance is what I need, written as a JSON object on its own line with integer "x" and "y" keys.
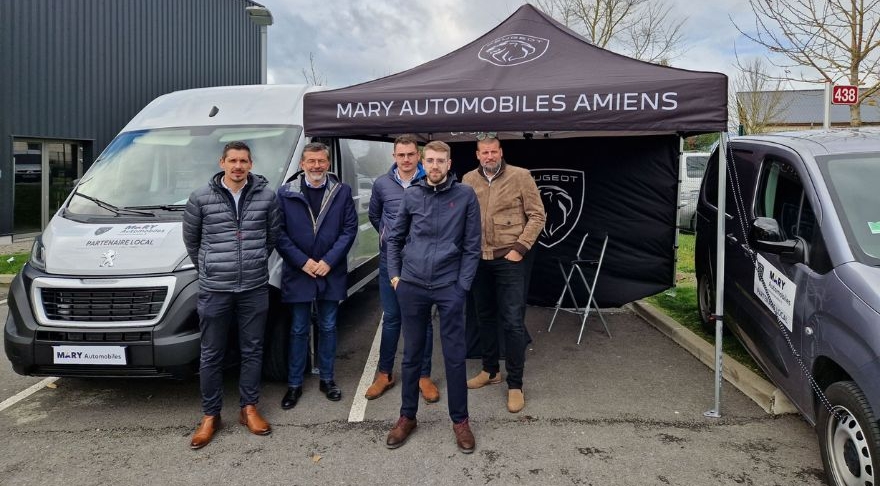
{"x": 433, "y": 252}
{"x": 318, "y": 227}
{"x": 229, "y": 229}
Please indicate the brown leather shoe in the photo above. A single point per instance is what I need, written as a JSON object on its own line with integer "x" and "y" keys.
{"x": 250, "y": 417}
{"x": 464, "y": 438}
{"x": 401, "y": 431}
{"x": 483, "y": 379}
{"x": 429, "y": 390}
{"x": 515, "y": 400}
{"x": 205, "y": 432}
{"x": 382, "y": 383}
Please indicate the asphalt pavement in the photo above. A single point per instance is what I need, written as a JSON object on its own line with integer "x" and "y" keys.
{"x": 626, "y": 410}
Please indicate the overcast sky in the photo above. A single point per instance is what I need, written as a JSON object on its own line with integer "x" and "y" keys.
{"x": 359, "y": 40}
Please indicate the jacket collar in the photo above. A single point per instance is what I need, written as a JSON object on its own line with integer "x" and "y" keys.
{"x": 501, "y": 167}
{"x": 420, "y": 173}
{"x": 254, "y": 181}
{"x": 295, "y": 183}
{"x": 448, "y": 183}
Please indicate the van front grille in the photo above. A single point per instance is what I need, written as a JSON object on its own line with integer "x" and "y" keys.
{"x": 103, "y": 305}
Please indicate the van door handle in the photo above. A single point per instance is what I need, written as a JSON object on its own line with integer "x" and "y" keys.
{"x": 731, "y": 239}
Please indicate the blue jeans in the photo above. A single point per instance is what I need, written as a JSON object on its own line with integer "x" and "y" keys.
{"x": 391, "y": 327}
{"x": 221, "y": 313}
{"x": 299, "y": 340}
{"x": 416, "y": 311}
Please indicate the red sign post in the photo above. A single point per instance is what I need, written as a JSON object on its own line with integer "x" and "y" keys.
{"x": 843, "y": 94}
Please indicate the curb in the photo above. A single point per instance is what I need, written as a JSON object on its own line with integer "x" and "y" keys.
{"x": 6, "y": 279}
{"x": 762, "y": 392}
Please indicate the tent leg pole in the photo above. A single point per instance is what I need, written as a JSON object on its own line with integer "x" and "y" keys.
{"x": 720, "y": 240}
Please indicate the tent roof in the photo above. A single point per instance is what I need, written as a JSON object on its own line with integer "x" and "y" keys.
{"x": 528, "y": 74}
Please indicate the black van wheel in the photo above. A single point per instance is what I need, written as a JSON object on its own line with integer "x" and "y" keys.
{"x": 706, "y": 302}
{"x": 276, "y": 345}
{"x": 848, "y": 436}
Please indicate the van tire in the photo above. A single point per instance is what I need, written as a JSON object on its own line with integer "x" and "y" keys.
{"x": 276, "y": 343}
{"x": 706, "y": 302}
{"x": 848, "y": 436}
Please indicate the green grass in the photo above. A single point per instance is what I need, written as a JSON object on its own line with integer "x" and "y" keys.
{"x": 680, "y": 303}
{"x": 14, "y": 266}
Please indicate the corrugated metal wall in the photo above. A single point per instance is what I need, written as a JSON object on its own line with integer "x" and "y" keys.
{"x": 80, "y": 69}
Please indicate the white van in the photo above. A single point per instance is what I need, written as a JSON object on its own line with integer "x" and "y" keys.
{"x": 109, "y": 289}
{"x": 693, "y": 165}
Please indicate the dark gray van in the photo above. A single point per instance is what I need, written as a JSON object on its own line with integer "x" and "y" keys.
{"x": 802, "y": 279}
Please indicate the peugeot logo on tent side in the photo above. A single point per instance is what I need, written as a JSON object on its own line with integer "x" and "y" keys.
{"x": 562, "y": 192}
{"x": 513, "y": 49}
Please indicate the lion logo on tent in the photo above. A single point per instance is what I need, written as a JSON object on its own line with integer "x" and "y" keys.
{"x": 562, "y": 192}
{"x": 513, "y": 49}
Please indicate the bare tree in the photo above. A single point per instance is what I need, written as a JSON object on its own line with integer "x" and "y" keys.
{"x": 756, "y": 98}
{"x": 312, "y": 75}
{"x": 838, "y": 39}
{"x": 644, "y": 29}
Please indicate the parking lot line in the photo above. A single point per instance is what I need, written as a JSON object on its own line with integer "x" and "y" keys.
{"x": 359, "y": 404}
{"x": 26, "y": 393}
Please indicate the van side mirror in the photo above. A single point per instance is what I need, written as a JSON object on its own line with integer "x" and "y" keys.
{"x": 765, "y": 234}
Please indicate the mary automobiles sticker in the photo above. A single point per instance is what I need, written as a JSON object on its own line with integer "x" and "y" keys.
{"x": 779, "y": 297}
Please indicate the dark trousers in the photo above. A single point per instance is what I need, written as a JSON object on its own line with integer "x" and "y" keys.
{"x": 498, "y": 290}
{"x": 415, "y": 310}
{"x": 219, "y": 314}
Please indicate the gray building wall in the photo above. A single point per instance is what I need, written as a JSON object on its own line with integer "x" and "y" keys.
{"x": 80, "y": 69}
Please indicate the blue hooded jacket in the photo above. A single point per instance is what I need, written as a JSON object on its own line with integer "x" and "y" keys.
{"x": 435, "y": 240}
{"x": 327, "y": 237}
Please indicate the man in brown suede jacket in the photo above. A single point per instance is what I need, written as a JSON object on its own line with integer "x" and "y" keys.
{"x": 512, "y": 216}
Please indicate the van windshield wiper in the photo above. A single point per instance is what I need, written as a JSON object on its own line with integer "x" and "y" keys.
{"x": 166, "y": 207}
{"x": 113, "y": 209}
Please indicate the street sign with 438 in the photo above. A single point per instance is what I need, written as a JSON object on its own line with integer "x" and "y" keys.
{"x": 843, "y": 94}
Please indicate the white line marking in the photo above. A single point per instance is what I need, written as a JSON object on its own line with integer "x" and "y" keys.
{"x": 3, "y": 302}
{"x": 359, "y": 405}
{"x": 26, "y": 393}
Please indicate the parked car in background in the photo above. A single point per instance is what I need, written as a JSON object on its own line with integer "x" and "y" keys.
{"x": 693, "y": 165}
{"x": 802, "y": 279}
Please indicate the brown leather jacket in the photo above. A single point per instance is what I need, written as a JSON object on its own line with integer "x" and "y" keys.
{"x": 511, "y": 210}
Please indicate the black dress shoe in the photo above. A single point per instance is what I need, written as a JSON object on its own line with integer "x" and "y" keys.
{"x": 291, "y": 397}
{"x": 333, "y": 392}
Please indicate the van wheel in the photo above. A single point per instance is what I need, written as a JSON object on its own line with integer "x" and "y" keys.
{"x": 706, "y": 302}
{"x": 848, "y": 436}
{"x": 276, "y": 345}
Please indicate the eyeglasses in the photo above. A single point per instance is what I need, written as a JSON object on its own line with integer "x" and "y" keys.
{"x": 435, "y": 161}
{"x": 484, "y": 135}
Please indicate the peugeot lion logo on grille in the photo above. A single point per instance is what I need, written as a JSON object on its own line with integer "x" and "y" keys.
{"x": 513, "y": 49}
{"x": 108, "y": 257}
{"x": 562, "y": 192}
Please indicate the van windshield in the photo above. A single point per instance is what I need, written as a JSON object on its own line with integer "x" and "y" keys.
{"x": 158, "y": 169}
{"x": 853, "y": 181}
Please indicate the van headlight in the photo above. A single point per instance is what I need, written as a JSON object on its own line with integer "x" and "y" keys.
{"x": 185, "y": 264}
{"x": 38, "y": 255}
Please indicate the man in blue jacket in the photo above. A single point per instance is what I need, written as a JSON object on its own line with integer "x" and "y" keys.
{"x": 318, "y": 226}
{"x": 384, "y": 203}
{"x": 433, "y": 252}
{"x": 229, "y": 229}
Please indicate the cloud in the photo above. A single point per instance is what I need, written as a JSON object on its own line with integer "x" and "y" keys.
{"x": 359, "y": 40}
